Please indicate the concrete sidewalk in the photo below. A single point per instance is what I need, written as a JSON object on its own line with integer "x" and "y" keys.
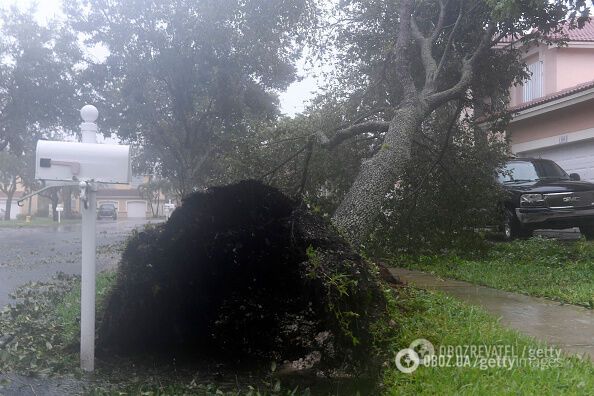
{"x": 568, "y": 327}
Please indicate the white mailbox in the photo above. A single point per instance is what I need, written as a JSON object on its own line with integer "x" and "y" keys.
{"x": 84, "y": 165}
{"x": 68, "y": 161}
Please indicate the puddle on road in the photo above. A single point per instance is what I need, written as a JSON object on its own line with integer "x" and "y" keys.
{"x": 569, "y": 327}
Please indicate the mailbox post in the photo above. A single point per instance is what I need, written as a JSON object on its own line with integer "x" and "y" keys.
{"x": 59, "y": 209}
{"x": 88, "y": 207}
{"x": 86, "y": 165}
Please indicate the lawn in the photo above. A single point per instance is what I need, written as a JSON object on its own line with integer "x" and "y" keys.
{"x": 561, "y": 271}
{"x": 445, "y": 321}
{"x": 44, "y": 328}
{"x": 35, "y": 222}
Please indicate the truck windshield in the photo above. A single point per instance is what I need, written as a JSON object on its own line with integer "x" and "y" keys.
{"x": 528, "y": 171}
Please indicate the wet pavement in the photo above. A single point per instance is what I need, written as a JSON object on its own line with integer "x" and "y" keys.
{"x": 38, "y": 253}
{"x": 569, "y": 327}
{"x": 17, "y": 385}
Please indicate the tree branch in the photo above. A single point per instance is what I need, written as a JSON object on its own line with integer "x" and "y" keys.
{"x": 279, "y": 166}
{"x": 446, "y": 50}
{"x": 357, "y": 129}
{"x": 364, "y": 116}
{"x": 426, "y": 47}
{"x": 440, "y": 20}
{"x": 401, "y": 49}
{"x": 468, "y": 64}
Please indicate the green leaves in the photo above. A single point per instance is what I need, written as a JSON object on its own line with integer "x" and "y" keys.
{"x": 32, "y": 334}
{"x": 38, "y": 331}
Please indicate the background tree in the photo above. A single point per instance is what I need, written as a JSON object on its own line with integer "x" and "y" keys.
{"x": 37, "y": 75}
{"x": 53, "y": 195}
{"x": 184, "y": 79}
{"x": 153, "y": 191}
{"x": 38, "y": 96}
{"x": 11, "y": 166}
{"x": 67, "y": 193}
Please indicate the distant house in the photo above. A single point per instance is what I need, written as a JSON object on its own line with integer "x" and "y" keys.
{"x": 554, "y": 110}
{"x": 128, "y": 202}
{"x": 126, "y": 198}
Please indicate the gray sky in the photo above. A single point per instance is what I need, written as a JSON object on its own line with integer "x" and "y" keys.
{"x": 293, "y": 100}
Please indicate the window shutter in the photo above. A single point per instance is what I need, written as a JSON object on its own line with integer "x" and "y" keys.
{"x": 533, "y": 88}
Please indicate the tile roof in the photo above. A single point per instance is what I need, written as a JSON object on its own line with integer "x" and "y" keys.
{"x": 585, "y": 34}
{"x": 549, "y": 98}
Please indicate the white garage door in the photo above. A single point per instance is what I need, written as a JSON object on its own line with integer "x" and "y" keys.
{"x": 573, "y": 158}
{"x": 137, "y": 209}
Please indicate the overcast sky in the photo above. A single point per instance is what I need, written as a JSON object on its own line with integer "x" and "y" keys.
{"x": 292, "y": 101}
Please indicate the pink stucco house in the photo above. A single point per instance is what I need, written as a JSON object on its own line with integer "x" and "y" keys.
{"x": 554, "y": 110}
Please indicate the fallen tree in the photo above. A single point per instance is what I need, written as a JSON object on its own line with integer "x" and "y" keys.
{"x": 243, "y": 273}
{"x": 433, "y": 53}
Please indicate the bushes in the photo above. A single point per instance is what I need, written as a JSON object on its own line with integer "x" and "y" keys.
{"x": 243, "y": 272}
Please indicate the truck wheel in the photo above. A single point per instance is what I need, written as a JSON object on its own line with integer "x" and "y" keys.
{"x": 512, "y": 228}
{"x": 587, "y": 231}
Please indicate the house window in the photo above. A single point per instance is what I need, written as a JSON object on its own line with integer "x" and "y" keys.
{"x": 533, "y": 87}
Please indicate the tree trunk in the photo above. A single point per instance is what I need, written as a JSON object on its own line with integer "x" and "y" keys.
{"x": 8, "y": 206}
{"x": 54, "y": 198}
{"x": 9, "y": 195}
{"x": 67, "y": 198}
{"x": 158, "y": 203}
{"x": 355, "y": 216}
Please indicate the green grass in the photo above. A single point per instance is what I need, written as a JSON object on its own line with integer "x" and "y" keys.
{"x": 35, "y": 222}
{"x": 32, "y": 332}
{"x": 561, "y": 271}
{"x": 44, "y": 328}
{"x": 68, "y": 310}
{"x": 40, "y": 332}
{"x": 446, "y": 321}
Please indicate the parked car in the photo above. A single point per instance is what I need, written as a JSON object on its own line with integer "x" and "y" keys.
{"x": 107, "y": 211}
{"x": 542, "y": 195}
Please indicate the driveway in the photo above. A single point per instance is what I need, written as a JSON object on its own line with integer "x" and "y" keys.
{"x": 36, "y": 254}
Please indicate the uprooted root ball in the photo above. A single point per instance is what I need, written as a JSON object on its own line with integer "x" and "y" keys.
{"x": 240, "y": 272}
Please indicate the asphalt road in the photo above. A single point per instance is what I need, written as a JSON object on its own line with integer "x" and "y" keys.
{"x": 37, "y": 254}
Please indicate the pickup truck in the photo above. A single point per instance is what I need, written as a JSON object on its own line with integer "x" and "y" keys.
{"x": 540, "y": 194}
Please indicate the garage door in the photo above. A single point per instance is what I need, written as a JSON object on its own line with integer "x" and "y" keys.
{"x": 573, "y": 158}
{"x": 137, "y": 210}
